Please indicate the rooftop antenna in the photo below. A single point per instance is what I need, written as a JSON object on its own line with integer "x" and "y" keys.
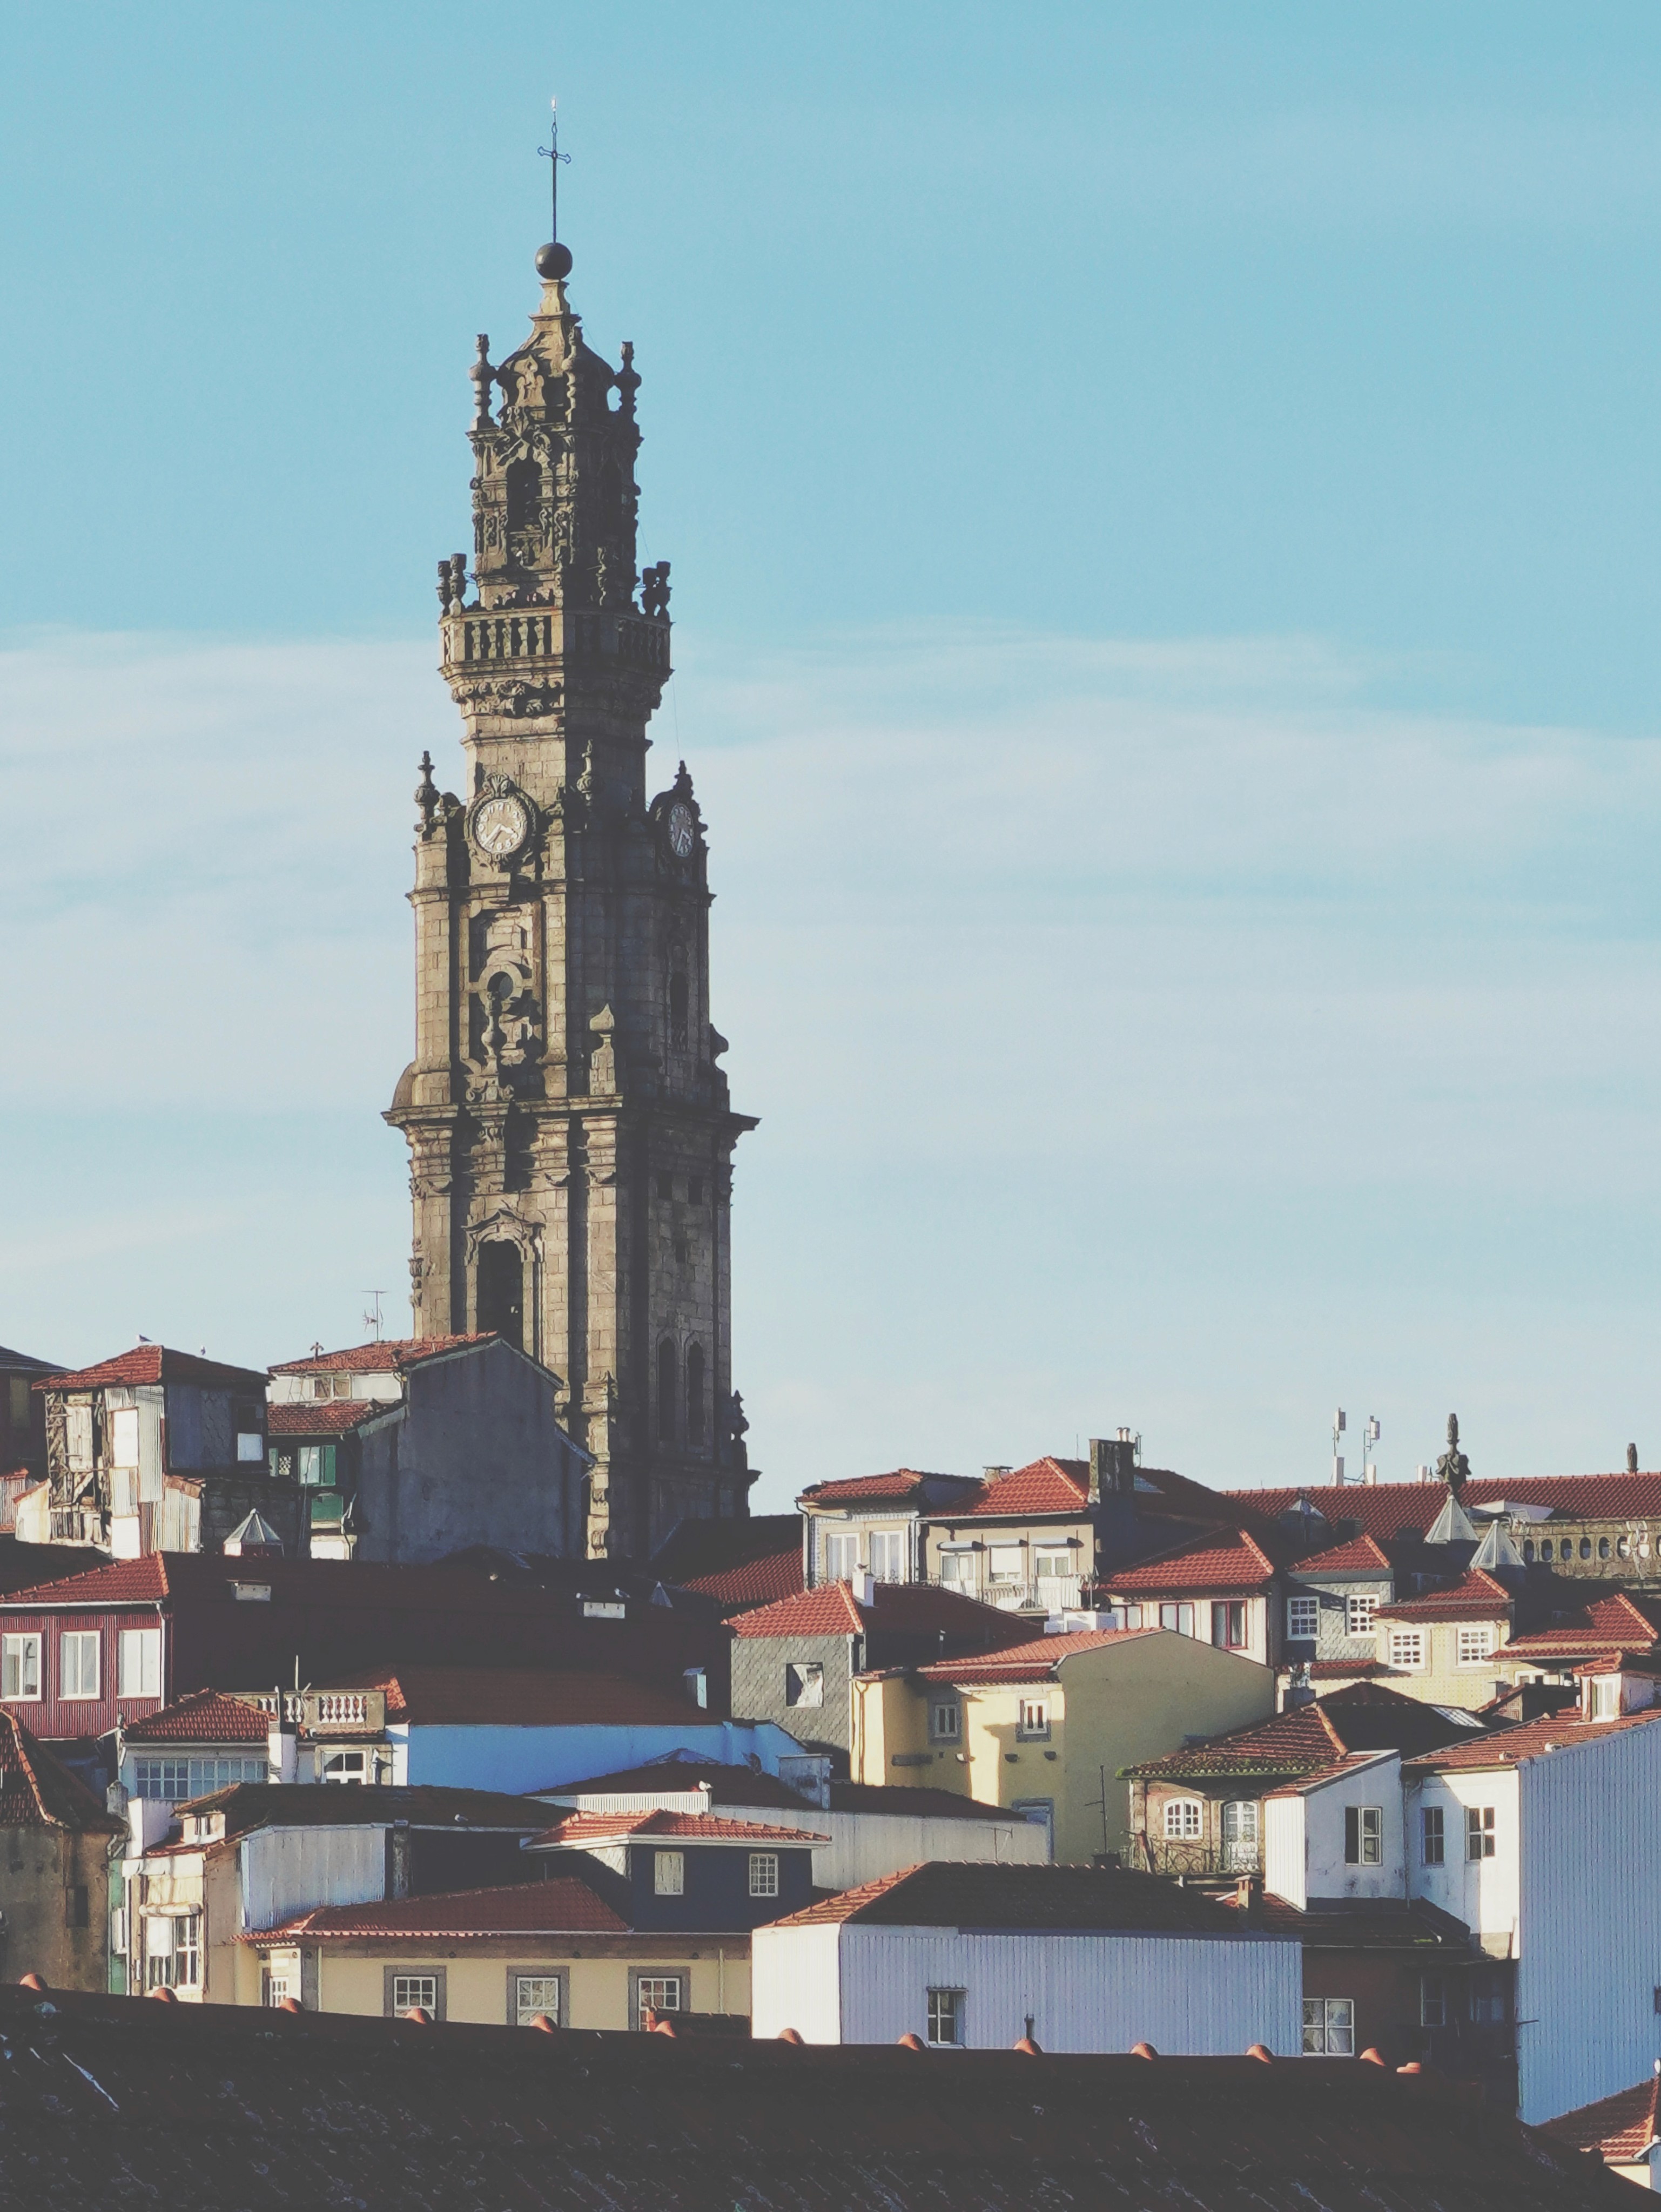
{"x": 1369, "y": 1436}
{"x": 553, "y": 260}
{"x": 372, "y": 1319}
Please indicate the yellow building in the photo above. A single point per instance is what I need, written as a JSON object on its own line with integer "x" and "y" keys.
{"x": 501, "y": 1956}
{"x": 1444, "y": 1646}
{"x": 1045, "y": 1727}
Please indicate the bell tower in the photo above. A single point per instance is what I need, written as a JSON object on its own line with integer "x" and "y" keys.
{"x": 569, "y": 1131}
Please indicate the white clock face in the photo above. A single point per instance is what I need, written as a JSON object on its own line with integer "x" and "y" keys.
{"x": 500, "y": 826}
{"x": 682, "y": 829}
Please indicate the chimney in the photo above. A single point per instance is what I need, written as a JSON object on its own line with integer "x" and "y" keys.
{"x": 864, "y": 1587}
{"x": 1248, "y": 1896}
{"x": 1112, "y": 1466}
{"x": 283, "y": 1742}
{"x": 1631, "y": 1459}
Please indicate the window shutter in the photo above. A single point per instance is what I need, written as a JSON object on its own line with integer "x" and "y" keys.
{"x": 1352, "y": 1835}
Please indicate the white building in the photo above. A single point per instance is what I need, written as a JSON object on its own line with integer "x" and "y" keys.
{"x": 1079, "y": 1959}
{"x": 1545, "y": 1840}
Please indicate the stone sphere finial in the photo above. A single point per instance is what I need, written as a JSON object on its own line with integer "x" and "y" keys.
{"x": 553, "y": 260}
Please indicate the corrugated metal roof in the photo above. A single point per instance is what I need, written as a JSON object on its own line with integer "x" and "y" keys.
{"x": 210, "y": 2107}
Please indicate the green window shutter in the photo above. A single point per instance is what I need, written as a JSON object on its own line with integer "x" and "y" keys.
{"x": 327, "y": 1477}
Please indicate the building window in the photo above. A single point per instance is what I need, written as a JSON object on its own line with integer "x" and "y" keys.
{"x": 1006, "y": 1563}
{"x": 804, "y": 1683}
{"x": 656, "y": 1993}
{"x": 1358, "y": 1613}
{"x": 139, "y": 1663}
{"x": 695, "y": 1394}
{"x": 1603, "y": 1547}
{"x": 1053, "y": 1566}
{"x": 669, "y": 1874}
{"x": 317, "y": 1467}
{"x": 1303, "y": 1616}
{"x": 1476, "y": 1645}
{"x": 1479, "y": 1832}
{"x": 946, "y": 2016}
{"x": 176, "y": 1781}
{"x": 945, "y": 1724}
{"x": 1407, "y": 1651}
{"x": 667, "y": 1368}
{"x": 1432, "y": 1835}
{"x": 764, "y": 1873}
{"x": 172, "y": 1951}
{"x": 274, "y": 1989}
{"x": 1240, "y": 1837}
{"x": 536, "y": 1996}
{"x": 20, "y": 1666}
{"x": 1545, "y": 1549}
{"x": 78, "y": 1906}
{"x": 1032, "y": 1720}
{"x": 1487, "y": 1992}
{"x": 841, "y": 1558}
{"x": 1603, "y": 1703}
{"x": 348, "y": 1766}
{"x": 1228, "y": 1626}
{"x": 77, "y": 1663}
{"x": 888, "y": 1554}
{"x": 123, "y": 1437}
{"x": 1179, "y": 1617}
{"x": 1364, "y": 1835}
{"x": 1585, "y": 1547}
{"x": 1433, "y": 2001}
{"x": 957, "y": 1570}
{"x": 1528, "y": 1551}
{"x": 1184, "y": 1818}
{"x": 410, "y": 1991}
{"x": 1329, "y": 2027}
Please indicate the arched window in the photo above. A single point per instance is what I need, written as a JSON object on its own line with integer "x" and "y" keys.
{"x": 501, "y": 1290}
{"x": 667, "y": 1367}
{"x": 1184, "y": 1818}
{"x": 695, "y": 1394}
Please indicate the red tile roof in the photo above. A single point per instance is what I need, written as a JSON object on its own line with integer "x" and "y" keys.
{"x": 900, "y": 1482}
{"x": 391, "y": 1357}
{"x": 155, "y": 1363}
{"x": 974, "y": 1894}
{"x": 36, "y": 1791}
{"x": 523, "y": 1696}
{"x": 323, "y": 1417}
{"x": 1475, "y": 1596}
{"x": 832, "y": 1609}
{"x": 1386, "y": 1510}
{"x": 1617, "y": 1622}
{"x": 119, "y": 1581}
{"x": 579, "y": 1831}
{"x": 1034, "y": 1661}
{"x": 1621, "y": 2127}
{"x": 1336, "y": 1670}
{"x": 1530, "y": 1740}
{"x": 563, "y": 1905}
{"x": 1044, "y": 1485}
{"x": 1360, "y": 1555}
{"x": 24, "y": 1565}
{"x": 740, "y": 1563}
{"x": 1224, "y": 1559}
{"x": 206, "y": 1717}
{"x": 1368, "y": 1716}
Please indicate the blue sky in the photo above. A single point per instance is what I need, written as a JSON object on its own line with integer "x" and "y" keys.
{"x": 1162, "y": 506}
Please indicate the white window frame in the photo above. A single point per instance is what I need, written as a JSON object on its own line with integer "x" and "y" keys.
{"x": 413, "y": 1992}
{"x": 138, "y": 1662}
{"x": 1482, "y": 1832}
{"x": 945, "y": 1722}
{"x": 1032, "y": 1720}
{"x": 889, "y": 1553}
{"x": 1404, "y": 1642}
{"x": 1303, "y": 1616}
{"x": 658, "y": 1993}
{"x": 945, "y": 2009}
{"x": 1005, "y": 1565}
{"x": 956, "y": 1569}
{"x": 1359, "y": 1610}
{"x": 337, "y": 1766}
{"x": 20, "y": 1667}
{"x": 1329, "y": 2028}
{"x": 669, "y": 1874}
{"x": 1432, "y": 1831}
{"x": 804, "y": 1684}
{"x": 72, "y": 1653}
{"x": 1053, "y": 1563}
{"x": 1185, "y": 1819}
{"x": 1369, "y": 1835}
{"x": 1477, "y": 1645}
{"x": 764, "y": 1873}
{"x": 537, "y": 2005}
{"x": 841, "y": 1555}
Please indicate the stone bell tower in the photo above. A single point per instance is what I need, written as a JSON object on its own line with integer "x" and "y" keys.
{"x": 571, "y": 1138}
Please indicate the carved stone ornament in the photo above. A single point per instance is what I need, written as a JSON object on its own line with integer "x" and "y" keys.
{"x": 504, "y": 694}
{"x": 501, "y": 820}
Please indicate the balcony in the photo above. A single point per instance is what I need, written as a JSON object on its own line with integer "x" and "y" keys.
{"x": 1163, "y": 1854}
{"x": 1047, "y": 1593}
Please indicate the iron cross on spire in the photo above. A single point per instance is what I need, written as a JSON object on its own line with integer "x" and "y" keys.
{"x": 552, "y": 154}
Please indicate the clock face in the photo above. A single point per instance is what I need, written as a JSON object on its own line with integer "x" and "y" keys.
{"x": 501, "y": 826}
{"x": 682, "y": 829}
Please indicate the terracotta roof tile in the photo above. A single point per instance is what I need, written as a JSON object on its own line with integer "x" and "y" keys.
{"x": 740, "y": 1564}
{"x": 899, "y": 1483}
{"x": 156, "y": 1363}
{"x": 323, "y": 1417}
{"x": 562, "y": 1905}
{"x": 832, "y": 1609}
{"x": 975, "y": 1893}
{"x": 1475, "y": 1596}
{"x": 204, "y": 1717}
{"x": 1619, "y": 1621}
{"x": 1622, "y": 2127}
{"x": 1227, "y": 1559}
{"x": 119, "y": 1581}
{"x": 1360, "y": 1555}
{"x": 1044, "y": 1485}
{"x": 1034, "y": 1660}
{"x": 1388, "y": 1510}
{"x": 390, "y": 1356}
{"x": 578, "y": 1830}
{"x": 1367, "y": 1716}
{"x": 1333, "y": 1670}
{"x": 1552, "y": 1732}
{"x": 36, "y": 1791}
